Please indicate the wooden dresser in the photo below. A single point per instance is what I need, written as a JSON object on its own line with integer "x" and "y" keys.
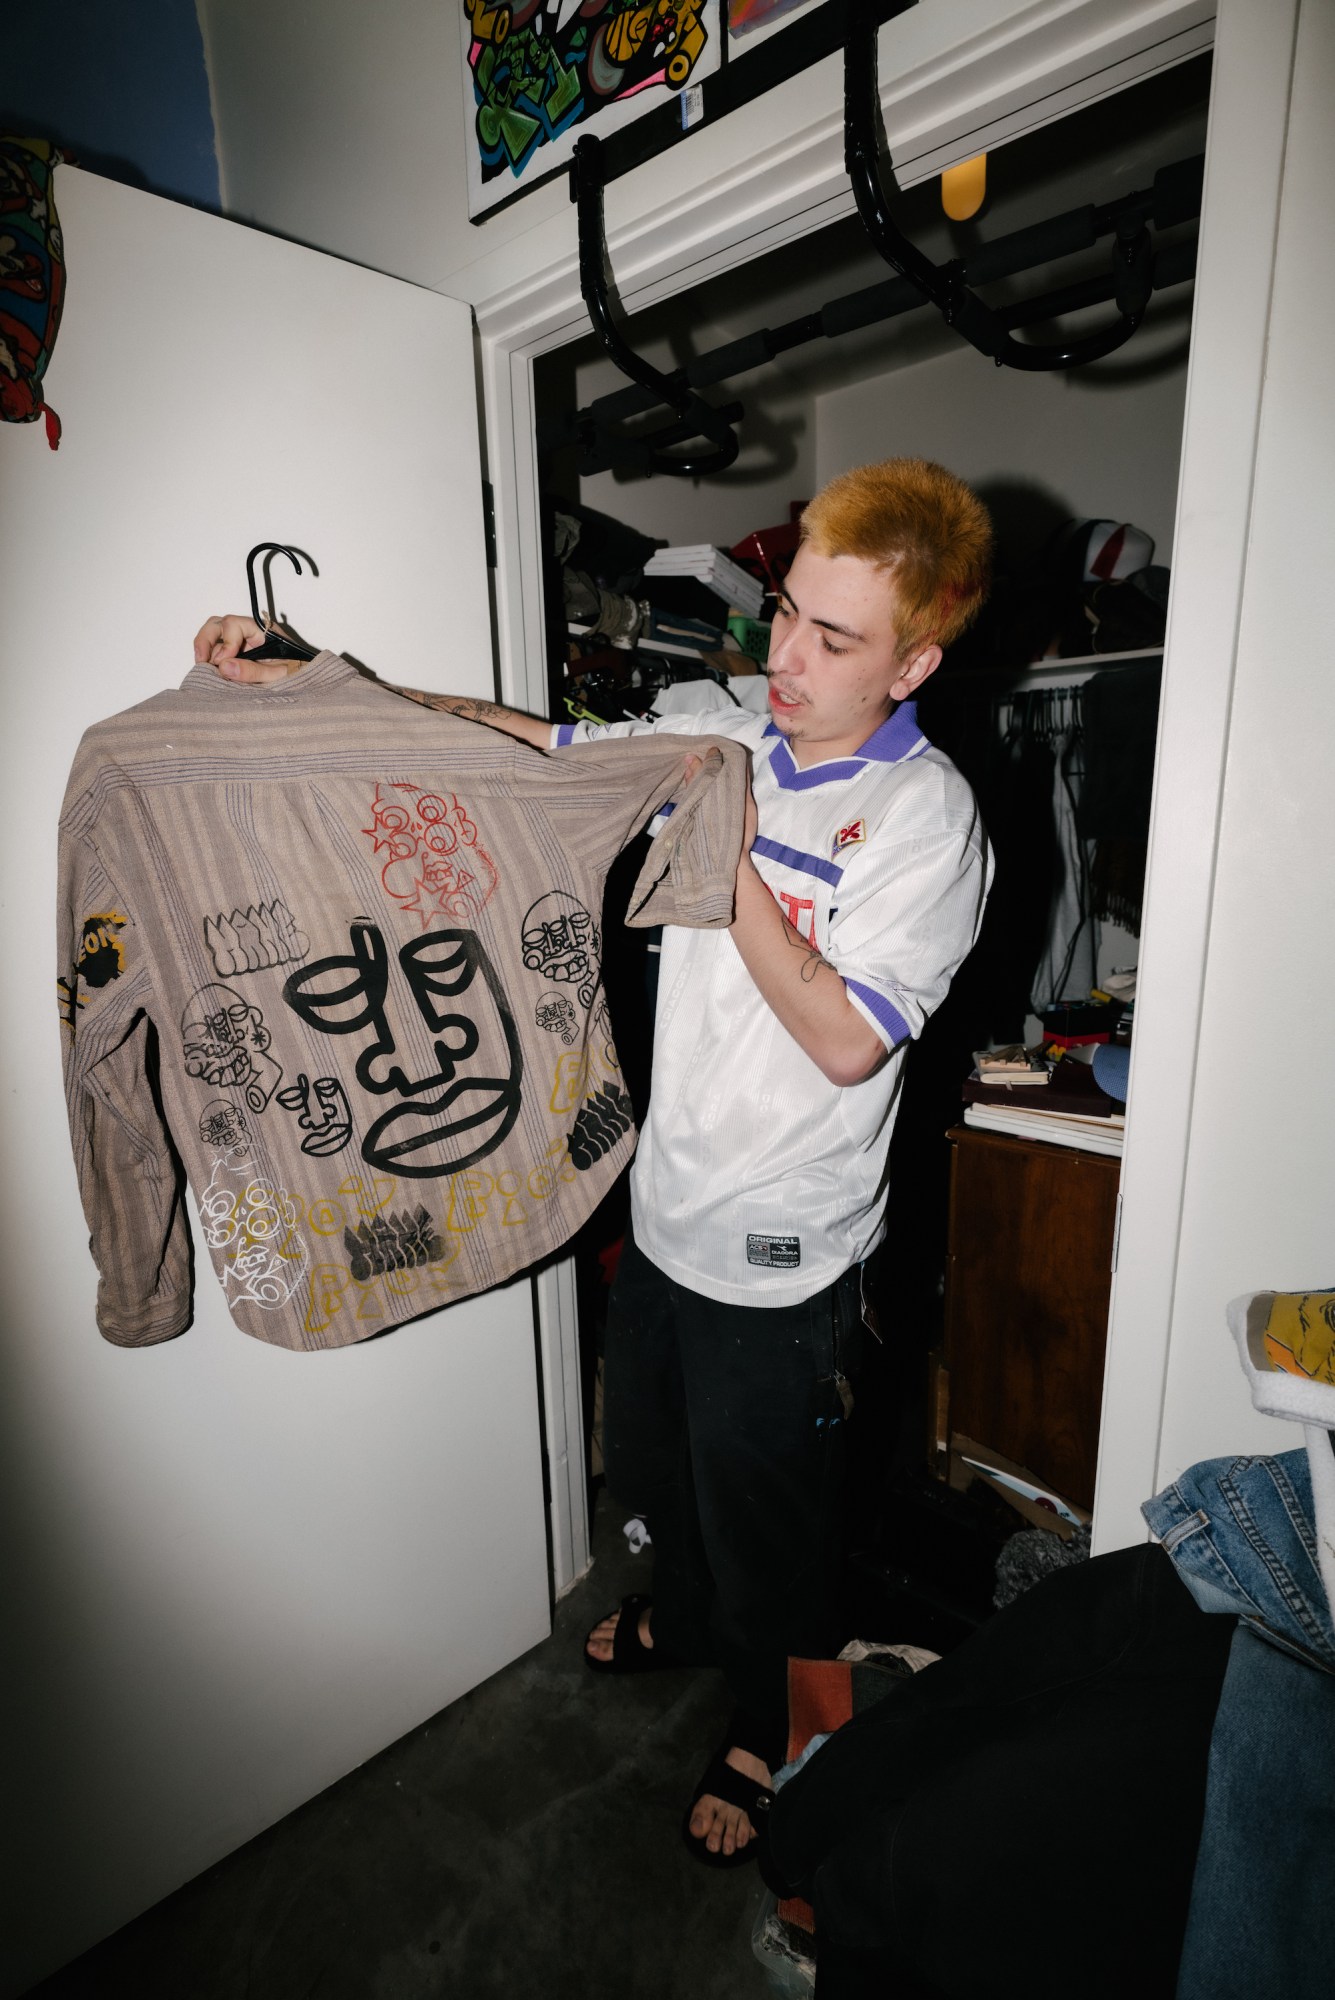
{"x": 1028, "y": 1279}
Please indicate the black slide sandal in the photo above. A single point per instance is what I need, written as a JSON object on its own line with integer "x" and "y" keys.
{"x": 720, "y": 1781}
{"x": 630, "y": 1655}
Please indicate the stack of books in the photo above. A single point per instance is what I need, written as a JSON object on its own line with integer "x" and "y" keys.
{"x": 1066, "y": 1109}
{"x": 718, "y": 572}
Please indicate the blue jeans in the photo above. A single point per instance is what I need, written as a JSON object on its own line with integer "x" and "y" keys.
{"x": 1261, "y": 1925}
{"x": 1242, "y": 1537}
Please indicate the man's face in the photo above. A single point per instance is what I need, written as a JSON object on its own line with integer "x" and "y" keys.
{"x": 834, "y": 668}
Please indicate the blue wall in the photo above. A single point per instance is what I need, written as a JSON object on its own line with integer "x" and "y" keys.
{"x": 120, "y": 84}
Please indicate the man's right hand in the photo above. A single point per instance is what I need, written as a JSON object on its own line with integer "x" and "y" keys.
{"x": 219, "y": 640}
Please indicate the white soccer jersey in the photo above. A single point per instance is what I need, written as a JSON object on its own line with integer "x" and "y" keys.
{"x": 757, "y": 1180}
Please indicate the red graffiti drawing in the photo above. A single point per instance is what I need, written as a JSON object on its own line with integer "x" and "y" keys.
{"x": 432, "y": 863}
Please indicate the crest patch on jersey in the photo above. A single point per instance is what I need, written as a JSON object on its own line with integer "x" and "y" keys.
{"x": 851, "y": 835}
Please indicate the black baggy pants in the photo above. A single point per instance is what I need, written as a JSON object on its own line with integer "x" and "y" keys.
{"x": 725, "y": 1426}
{"x": 1023, "y": 1816}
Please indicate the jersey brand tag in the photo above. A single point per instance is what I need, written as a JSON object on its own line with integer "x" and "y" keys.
{"x": 851, "y": 835}
{"x": 780, "y": 1253}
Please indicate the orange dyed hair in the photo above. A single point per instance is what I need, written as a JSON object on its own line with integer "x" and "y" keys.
{"x": 924, "y": 528}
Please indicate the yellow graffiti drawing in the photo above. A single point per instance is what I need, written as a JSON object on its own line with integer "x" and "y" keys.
{"x": 490, "y": 24}
{"x": 467, "y": 1205}
{"x": 581, "y": 1071}
{"x": 544, "y": 1179}
{"x": 370, "y": 1192}
{"x": 514, "y": 1213}
{"x": 99, "y": 959}
{"x": 333, "y": 1290}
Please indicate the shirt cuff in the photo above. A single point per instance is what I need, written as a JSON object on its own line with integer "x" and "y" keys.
{"x": 884, "y": 1016}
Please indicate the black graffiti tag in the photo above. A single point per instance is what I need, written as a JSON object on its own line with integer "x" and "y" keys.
{"x": 397, "y": 1242}
{"x": 454, "y": 1116}
{"x": 603, "y": 1119}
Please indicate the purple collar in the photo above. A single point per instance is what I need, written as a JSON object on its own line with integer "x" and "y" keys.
{"x": 898, "y": 739}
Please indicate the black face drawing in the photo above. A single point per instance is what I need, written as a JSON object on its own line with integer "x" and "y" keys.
{"x": 322, "y": 1113}
{"x": 562, "y": 942}
{"x": 454, "y": 1116}
{"x": 225, "y": 1041}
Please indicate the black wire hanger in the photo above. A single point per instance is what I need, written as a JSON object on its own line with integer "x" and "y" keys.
{"x": 275, "y": 645}
{"x": 867, "y": 159}
{"x": 696, "y": 419}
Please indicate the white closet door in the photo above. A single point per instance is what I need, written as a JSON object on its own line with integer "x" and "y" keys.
{"x": 234, "y": 1572}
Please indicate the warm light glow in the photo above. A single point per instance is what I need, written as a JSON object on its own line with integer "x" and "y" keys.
{"x": 963, "y": 188}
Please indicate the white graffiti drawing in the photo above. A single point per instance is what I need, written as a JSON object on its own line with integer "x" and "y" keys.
{"x": 252, "y": 1230}
{"x": 255, "y": 939}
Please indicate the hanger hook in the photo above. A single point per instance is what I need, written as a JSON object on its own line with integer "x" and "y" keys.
{"x": 943, "y": 284}
{"x": 276, "y": 645}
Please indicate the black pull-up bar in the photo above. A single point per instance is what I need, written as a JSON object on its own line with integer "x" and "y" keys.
{"x": 945, "y": 284}
{"x": 695, "y": 419}
{"x": 1174, "y": 197}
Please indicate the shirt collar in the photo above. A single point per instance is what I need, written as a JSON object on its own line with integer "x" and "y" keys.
{"x": 898, "y": 739}
{"x": 318, "y": 676}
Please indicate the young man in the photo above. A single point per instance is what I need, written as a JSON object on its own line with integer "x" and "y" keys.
{"x": 759, "y": 1187}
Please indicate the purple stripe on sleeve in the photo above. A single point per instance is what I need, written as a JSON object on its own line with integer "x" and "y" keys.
{"x": 565, "y": 735}
{"x": 881, "y": 1011}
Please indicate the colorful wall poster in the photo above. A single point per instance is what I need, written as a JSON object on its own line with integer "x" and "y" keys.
{"x": 539, "y": 73}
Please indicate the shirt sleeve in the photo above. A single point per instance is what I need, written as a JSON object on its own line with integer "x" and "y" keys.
{"x": 600, "y": 795}
{"x": 908, "y": 906}
{"x": 130, "y": 1182}
{"x": 709, "y": 722}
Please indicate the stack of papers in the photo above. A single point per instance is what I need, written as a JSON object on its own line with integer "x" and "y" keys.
{"x": 1068, "y": 1110}
{"x": 1055, "y": 1128}
{"x": 739, "y": 591}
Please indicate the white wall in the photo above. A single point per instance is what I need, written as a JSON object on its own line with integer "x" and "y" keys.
{"x": 342, "y": 125}
{"x": 230, "y": 1572}
{"x": 1259, "y": 1206}
{"x": 1100, "y": 443}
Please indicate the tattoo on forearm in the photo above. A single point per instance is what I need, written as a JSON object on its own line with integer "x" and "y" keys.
{"x": 814, "y": 962}
{"x": 471, "y": 709}
{"x": 480, "y": 711}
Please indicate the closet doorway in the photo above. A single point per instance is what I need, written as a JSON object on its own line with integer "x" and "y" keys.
{"x": 1047, "y": 452}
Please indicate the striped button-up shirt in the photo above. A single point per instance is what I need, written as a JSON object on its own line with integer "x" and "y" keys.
{"x": 337, "y": 956}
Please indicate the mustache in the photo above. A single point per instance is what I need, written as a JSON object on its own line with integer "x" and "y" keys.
{"x": 789, "y": 694}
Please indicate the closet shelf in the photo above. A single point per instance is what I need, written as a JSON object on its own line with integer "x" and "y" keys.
{"x": 1072, "y": 671}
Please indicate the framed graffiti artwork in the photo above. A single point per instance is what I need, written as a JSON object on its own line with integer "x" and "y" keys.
{"x": 537, "y": 73}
